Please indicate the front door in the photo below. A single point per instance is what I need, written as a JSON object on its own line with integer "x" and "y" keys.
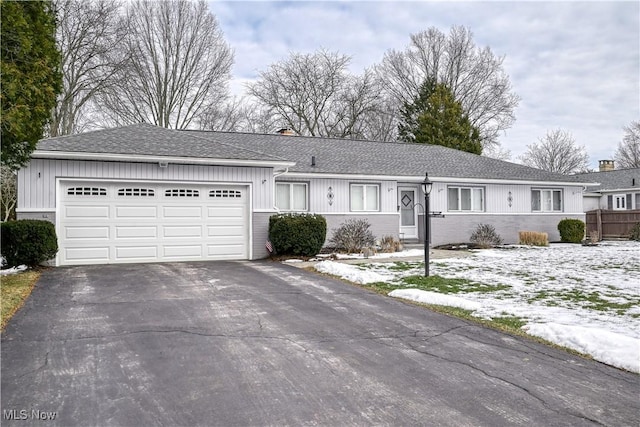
{"x": 408, "y": 213}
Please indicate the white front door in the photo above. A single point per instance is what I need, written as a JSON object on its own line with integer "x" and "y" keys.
{"x": 408, "y": 213}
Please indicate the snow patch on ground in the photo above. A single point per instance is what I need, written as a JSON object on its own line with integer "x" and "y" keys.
{"x": 351, "y": 273}
{"x": 13, "y": 270}
{"x": 435, "y": 298}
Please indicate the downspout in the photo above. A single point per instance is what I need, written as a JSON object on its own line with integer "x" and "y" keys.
{"x": 275, "y": 175}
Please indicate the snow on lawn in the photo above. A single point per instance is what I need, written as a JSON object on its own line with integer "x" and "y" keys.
{"x": 13, "y": 270}
{"x": 585, "y": 298}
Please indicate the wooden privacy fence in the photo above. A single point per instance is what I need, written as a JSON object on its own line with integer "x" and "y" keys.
{"x": 612, "y": 224}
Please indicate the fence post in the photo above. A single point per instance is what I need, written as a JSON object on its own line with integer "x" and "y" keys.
{"x": 599, "y": 223}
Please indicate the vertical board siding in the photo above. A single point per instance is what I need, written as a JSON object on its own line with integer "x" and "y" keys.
{"x": 39, "y": 191}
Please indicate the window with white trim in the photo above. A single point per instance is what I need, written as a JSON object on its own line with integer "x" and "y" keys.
{"x": 87, "y": 191}
{"x": 365, "y": 197}
{"x": 291, "y": 196}
{"x": 619, "y": 202}
{"x": 140, "y": 192}
{"x": 469, "y": 199}
{"x": 546, "y": 200}
{"x": 181, "y": 192}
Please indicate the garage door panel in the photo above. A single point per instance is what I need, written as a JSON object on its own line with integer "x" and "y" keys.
{"x": 181, "y": 231}
{"x": 161, "y": 223}
{"x": 136, "y": 252}
{"x": 87, "y": 254}
{"x": 87, "y": 233}
{"x": 136, "y": 232}
{"x": 231, "y": 230}
{"x": 150, "y": 212}
{"x": 182, "y": 251}
{"x": 89, "y": 212}
{"x": 182, "y": 212}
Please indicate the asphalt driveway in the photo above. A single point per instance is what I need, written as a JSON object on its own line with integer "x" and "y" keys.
{"x": 243, "y": 344}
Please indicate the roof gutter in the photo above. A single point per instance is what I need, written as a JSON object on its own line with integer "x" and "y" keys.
{"x": 419, "y": 179}
{"x": 141, "y": 158}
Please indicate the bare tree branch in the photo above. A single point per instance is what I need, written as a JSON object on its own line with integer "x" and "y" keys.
{"x": 628, "y": 153}
{"x": 178, "y": 65}
{"x": 8, "y": 193}
{"x": 557, "y": 152}
{"x": 87, "y": 35}
{"x": 474, "y": 75}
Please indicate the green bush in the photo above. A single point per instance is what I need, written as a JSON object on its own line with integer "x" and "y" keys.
{"x": 635, "y": 232}
{"x": 29, "y": 242}
{"x": 571, "y": 230}
{"x": 297, "y": 234}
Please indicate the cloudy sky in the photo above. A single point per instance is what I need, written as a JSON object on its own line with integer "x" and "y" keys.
{"x": 575, "y": 65}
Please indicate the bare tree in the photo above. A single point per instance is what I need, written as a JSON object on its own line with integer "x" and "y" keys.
{"x": 313, "y": 94}
{"x": 178, "y": 65}
{"x": 87, "y": 34}
{"x": 557, "y": 152}
{"x": 474, "y": 75}
{"x": 628, "y": 153}
{"x": 8, "y": 193}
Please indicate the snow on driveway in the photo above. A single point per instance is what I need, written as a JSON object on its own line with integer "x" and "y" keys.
{"x": 585, "y": 298}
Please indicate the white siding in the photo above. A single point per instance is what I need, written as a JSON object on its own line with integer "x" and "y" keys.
{"x": 37, "y": 181}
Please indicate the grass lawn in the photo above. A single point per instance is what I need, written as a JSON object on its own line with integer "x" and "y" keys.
{"x": 15, "y": 288}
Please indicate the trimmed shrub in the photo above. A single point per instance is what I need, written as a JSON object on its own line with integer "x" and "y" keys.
{"x": 353, "y": 236}
{"x": 28, "y": 241}
{"x": 297, "y": 234}
{"x": 485, "y": 236}
{"x": 533, "y": 238}
{"x": 571, "y": 230}
{"x": 634, "y": 234}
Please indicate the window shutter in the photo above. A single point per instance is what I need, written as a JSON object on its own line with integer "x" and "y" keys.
{"x": 629, "y": 201}
{"x": 609, "y": 202}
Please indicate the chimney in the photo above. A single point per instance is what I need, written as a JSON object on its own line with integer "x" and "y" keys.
{"x": 286, "y": 131}
{"x": 606, "y": 165}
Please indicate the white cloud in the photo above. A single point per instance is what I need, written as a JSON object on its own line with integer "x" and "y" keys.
{"x": 576, "y": 65}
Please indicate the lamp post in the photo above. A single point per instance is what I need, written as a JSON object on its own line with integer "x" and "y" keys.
{"x": 426, "y": 189}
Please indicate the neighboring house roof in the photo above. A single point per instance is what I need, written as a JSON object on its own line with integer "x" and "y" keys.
{"x": 621, "y": 179}
{"x": 332, "y": 155}
{"x": 148, "y": 140}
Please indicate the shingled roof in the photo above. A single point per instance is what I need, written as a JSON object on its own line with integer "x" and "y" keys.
{"x": 621, "y": 179}
{"x": 148, "y": 140}
{"x": 332, "y": 155}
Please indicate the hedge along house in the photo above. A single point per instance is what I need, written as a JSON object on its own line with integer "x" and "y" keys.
{"x": 147, "y": 194}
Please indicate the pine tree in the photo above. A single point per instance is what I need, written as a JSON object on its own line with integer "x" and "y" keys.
{"x": 31, "y": 78}
{"x": 435, "y": 117}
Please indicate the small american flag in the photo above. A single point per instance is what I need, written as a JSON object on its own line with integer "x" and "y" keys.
{"x": 269, "y": 246}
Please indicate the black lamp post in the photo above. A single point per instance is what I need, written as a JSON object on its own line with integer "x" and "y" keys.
{"x": 426, "y": 189}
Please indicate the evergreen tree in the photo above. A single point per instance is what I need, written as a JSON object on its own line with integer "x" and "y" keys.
{"x": 435, "y": 117}
{"x": 31, "y": 78}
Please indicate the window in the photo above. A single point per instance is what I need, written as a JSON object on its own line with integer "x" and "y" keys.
{"x": 291, "y": 196}
{"x": 365, "y": 197}
{"x": 225, "y": 194}
{"x": 546, "y": 200}
{"x": 620, "y": 201}
{"x": 466, "y": 199}
{"x": 181, "y": 192}
{"x": 142, "y": 192}
{"x": 87, "y": 191}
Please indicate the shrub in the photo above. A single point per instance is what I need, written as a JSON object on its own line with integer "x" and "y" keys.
{"x": 390, "y": 244}
{"x": 297, "y": 234}
{"x": 533, "y": 238}
{"x": 486, "y": 236}
{"x": 571, "y": 230}
{"x": 634, "y": 234}
{"x": 29, "y": 242}
{"x": 352, "y": 236}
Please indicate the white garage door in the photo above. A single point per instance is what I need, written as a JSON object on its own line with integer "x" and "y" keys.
{"x": 102, "y": 223}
